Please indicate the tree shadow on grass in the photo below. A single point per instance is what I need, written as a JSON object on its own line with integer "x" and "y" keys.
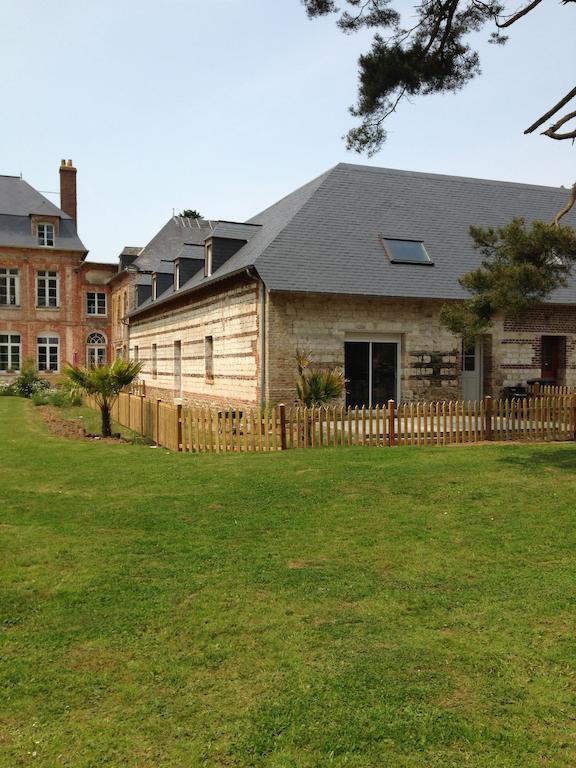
{"x": 535, "y": 459}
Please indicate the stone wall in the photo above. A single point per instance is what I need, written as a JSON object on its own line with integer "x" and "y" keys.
{"x": 430, "y": 355}
{"x": 230, "y": 317}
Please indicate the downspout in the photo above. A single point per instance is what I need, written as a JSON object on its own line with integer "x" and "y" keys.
{"x": 262, "y": 340}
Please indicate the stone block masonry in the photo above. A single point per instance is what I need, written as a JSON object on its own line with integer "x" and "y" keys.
{"x": 178, "y": 337}
{"x": 429, "y": 354}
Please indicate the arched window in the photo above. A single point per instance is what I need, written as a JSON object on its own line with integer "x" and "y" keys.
{"x": 96, "y": 350}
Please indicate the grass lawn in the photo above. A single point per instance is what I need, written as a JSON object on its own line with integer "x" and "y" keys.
{"x": 339, "y": 607}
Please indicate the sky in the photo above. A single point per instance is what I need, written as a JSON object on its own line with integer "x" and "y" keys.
{"x": 226, "y": 106}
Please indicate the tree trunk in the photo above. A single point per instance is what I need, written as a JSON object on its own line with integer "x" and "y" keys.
{"x": 106, "y": 422}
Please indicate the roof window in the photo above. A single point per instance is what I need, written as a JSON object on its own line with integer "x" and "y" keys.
{"x": 406, "y": 251}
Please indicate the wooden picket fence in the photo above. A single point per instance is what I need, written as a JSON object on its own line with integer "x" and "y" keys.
{"x": 243, "y": 430}
{"x": 549, "y": 391}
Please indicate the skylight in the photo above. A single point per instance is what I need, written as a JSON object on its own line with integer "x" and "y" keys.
{"x": 406, "y": 251}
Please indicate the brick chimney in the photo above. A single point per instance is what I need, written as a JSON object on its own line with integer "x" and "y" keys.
{"x": 68, "y": 188}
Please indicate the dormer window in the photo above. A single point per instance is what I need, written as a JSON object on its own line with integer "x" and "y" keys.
{"x": 406, "y": 251}
{"x": 208, "y": 260}
{"x": 45, "y": 234}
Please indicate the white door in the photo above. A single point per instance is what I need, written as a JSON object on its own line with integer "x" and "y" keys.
{"x": 472, "y": 369}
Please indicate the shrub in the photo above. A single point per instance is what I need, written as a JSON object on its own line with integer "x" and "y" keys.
{"x": 7, "y": 390}
{"x": 317, "y": 386}
{"x": 59, "y": 398}
{"x": 29, "y": 382}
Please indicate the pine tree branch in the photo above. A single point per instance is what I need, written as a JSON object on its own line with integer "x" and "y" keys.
{"x": 513, "y": 19}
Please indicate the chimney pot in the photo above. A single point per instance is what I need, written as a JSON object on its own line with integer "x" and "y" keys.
{"x": 62, "y": 162}
{"x": 70, "y": 163}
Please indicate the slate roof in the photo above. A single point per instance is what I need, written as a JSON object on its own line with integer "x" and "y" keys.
{"x": 167, "y": 244}
{"x": 19, "y": 201}
{"x": 326, "y": 236}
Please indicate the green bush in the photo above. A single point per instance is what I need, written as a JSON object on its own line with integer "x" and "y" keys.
{"x": 59, "y": 398}
{"x": 29, "y": 382}
{"x": 7, "y": 390}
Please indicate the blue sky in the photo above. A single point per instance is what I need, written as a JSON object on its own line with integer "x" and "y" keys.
{"x": 227, "y": 105}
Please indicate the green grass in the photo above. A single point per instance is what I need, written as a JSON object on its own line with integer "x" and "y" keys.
{"x": 354, "y": 608}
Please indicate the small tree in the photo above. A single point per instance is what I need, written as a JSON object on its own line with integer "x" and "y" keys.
{"x": 188, "y": 213}
{"x": 317, "y": 386}
{"x": 104, "y": 383}
{"x": 522, "y": 264}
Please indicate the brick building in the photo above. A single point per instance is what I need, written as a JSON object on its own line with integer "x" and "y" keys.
{"x": 354, "y": 266}
{"x": 54, "y": 305}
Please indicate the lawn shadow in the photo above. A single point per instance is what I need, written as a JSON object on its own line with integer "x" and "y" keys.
{"x": 560, "y": 457}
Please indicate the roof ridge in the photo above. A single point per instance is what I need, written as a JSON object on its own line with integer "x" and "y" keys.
{"x": 452, "y": 177}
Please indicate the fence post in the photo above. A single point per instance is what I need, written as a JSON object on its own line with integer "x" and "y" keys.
{"x": 142, "y": 430}
{"x": 282, "y": 410}
{"x": 391, "y": 424}
{"x": 158, "y": 401}
{"x": 179, "y": 428}
{"x": 488, "y": 434}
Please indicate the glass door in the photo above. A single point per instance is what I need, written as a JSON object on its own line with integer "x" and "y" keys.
{"x": 371, "y": 368}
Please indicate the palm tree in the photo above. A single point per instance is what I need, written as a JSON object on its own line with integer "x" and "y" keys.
{"x": 317, "y": 386}
{"x": 104, "y": 383}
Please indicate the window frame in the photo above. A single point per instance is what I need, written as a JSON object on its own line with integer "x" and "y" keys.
{"x": 46, "y": 275}
{"x": 10, "y": 344}
{"x": 208, "y": 259}
{"x": 97, "y": 294}
{"x": 48, "y": 345}
{"x": 411, "y": 262}
{"x": 154, "y": 360}
{"x": 209, "y": 359}
{"x": 95, "y": 348}
{"x": 45, "y": 237}
{"x": 10, "y": 275}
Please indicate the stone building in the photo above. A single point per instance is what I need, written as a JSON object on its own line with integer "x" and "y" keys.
{"x": 53, "y": 303}
{"x": 132, "y": 284}
{"x": 355, "y": 267}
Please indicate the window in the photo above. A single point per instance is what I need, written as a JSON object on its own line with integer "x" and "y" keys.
{"x": 136, "y": 354}
{"x": 154, "y": 286}
{"x": 178, "y": 368}
{"x": 209, "y": 357}
{"x": 177, "y": 277}
{"x": 469, "y": 357}
{"x": 154, "y": 361}
{"x": 9, "y": 352}
{"x": 48, "y": 353}
{"x": 95, "y": 303}
{"x": 208, "y": 260}
{"x": 371, "y": 369}
{"x": 47, "y": 289}
{"x": 96, "y": 350}
{"x": 46, "y": 234}
{"x": 406, "y": 251}
{"x": 9, "y": 287}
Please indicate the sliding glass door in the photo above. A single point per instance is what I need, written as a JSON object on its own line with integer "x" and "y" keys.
{"x": 371, "y": 368}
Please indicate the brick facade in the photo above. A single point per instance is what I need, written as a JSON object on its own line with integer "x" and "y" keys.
{"x": 69, "y": 321}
